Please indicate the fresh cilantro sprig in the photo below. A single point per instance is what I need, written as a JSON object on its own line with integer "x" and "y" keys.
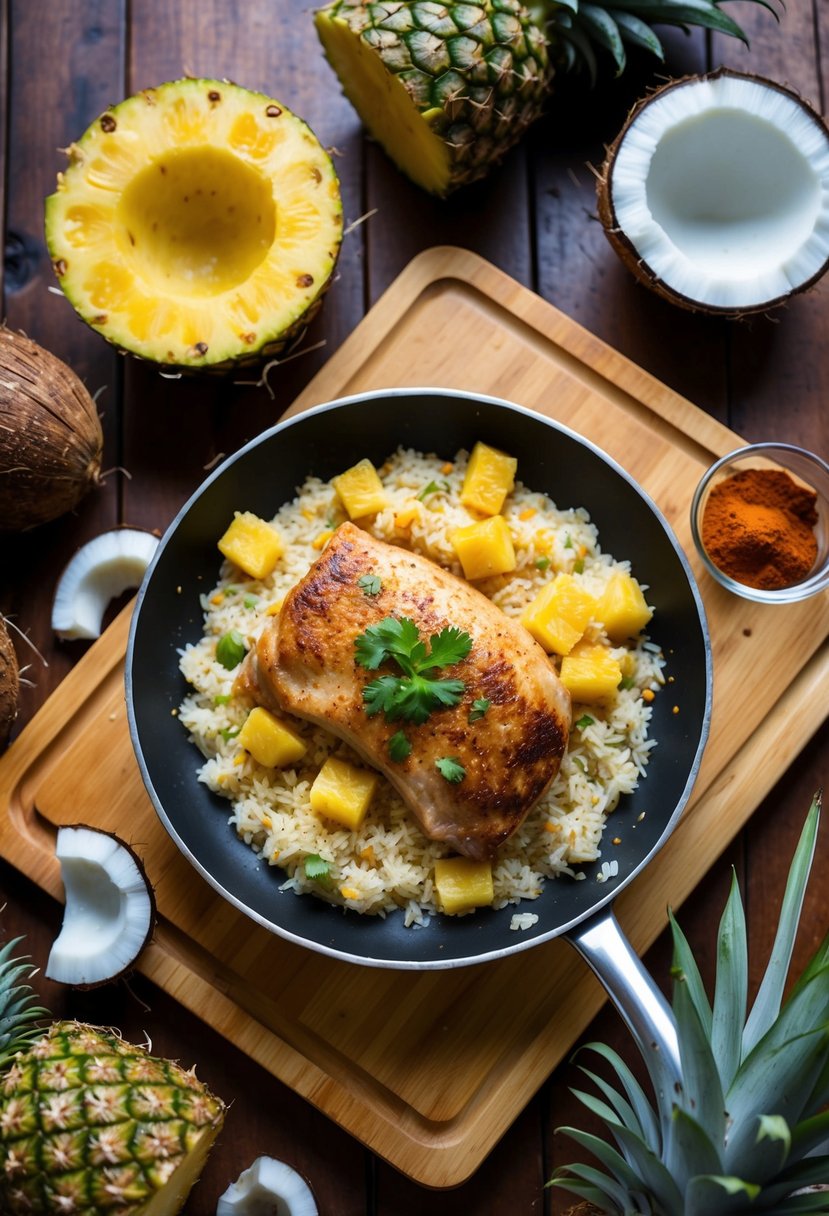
{"x": 479, "y": 708}
{"x": 451, "y": 769}
{"x": 417, "y": 693}
{"x": 370, "y": 584}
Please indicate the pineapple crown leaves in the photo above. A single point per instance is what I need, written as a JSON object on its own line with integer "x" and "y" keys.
{"x": 749, "y": 1122}
{"x": 20, "y": 1017}
{"x": 575, "y": 27}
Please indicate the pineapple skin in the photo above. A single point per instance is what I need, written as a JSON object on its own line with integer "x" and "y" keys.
{"x": 90, "y": 1124}
{"x": 477, "y": 74}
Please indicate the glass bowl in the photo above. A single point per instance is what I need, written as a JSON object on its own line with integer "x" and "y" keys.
{"x": 806, "y": 468}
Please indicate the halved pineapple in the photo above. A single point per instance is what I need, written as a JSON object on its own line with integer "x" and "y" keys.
{"x": 197, "y": 225}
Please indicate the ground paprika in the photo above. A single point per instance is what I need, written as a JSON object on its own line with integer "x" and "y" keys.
{"x": 758, "y": 528}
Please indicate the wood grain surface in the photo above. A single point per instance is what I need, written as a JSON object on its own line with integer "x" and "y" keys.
{"x": 62, "y": 63}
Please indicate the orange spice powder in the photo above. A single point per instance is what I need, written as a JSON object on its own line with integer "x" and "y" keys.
{"x": 758, "y": 528}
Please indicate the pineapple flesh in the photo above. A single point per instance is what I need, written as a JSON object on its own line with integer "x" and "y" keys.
{"x": 446, "y": 89}
{"x": 197, "y": 225}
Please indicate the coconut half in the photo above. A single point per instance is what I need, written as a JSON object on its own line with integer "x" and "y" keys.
{"x": 109, "y": 913}
{"x": 268, "y": 1188}
{"x": 101, "y": 569}
{"x": 9, "y": 683}
{"x": 716, "y": 193}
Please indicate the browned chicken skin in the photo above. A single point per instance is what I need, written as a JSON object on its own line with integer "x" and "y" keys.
{"x": 304, "y": 664}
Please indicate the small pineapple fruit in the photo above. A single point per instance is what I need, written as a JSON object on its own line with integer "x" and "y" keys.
{"x": 490, "y": 475}
{"x": 197, "y": 225}
{"x": 447, "y": 88}
{"x": 269, "y": 741}
{"x": 744, "y": 1128}
{"x": 485, "y": 548}
{"x": 252, "y": 544}
{"x": 559, "y": 614}
{"x": 89, "y": 1124}
{"x": 342, "y": 792}
{"x": 463, "y": 884}
{"x": 360, "y": 490}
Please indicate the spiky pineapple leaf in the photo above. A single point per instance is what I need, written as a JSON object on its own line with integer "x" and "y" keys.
{"x": 705, "y": 1195}
{"x": 646, "y": 1120}
{"x": 731, "y": 987}
{"x": 770, "y": 994}
{"x": 701, "y": 1096}
{"x": 604, "y": 31}
{"x": 813, "y": 1171}
{"x": 654, "y": 1176}
{"x": 809, "y": 1134}
{"x": 638, "y": 33}
{"x": 691, "y": 1152}
{"x": 685, "y": 965}
{"x": 621, "y": 1108}
{"x": 20, "y": 1017}
{"x": 624, "y": 1178}
{"x": 585, "y": 1190}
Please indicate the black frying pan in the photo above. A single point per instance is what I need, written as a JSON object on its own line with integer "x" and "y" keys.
{"x": 260, "y": 478}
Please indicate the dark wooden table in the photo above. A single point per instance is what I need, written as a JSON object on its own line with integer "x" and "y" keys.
{"x": 63, "y": 63}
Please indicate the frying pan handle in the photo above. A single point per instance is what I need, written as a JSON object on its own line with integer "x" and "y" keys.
{"x": 647, "y": 1014}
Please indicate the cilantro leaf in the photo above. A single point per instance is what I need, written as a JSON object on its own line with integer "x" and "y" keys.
{"x": 316, "y": 868}
{"x": 415, "y": 694}
{"x": 231, "y": 649}
{"x": 399, "y": 746}
{"x": 432, "y": 488}
{"x": 221, "y": 698}
{"x": 568, "y": 541}
{"x": 542, "y": 563}
{"x": 370, "y": 584}
{"x": 478, "y": 709}
{"x": 450, "y": 768}
{"x": 584, "y": 720}
{"x": 627, "y": 682}
{"x": 230, "y": 732}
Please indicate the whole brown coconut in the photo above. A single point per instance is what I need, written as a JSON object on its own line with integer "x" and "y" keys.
{"x": 50, "y": 435}
{"x": 9, "y": 683}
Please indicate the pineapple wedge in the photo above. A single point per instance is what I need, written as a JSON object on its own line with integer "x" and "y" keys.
{"x": 590, "y": 674}
{"x": 559, "y": 614}
{"x": 252, "y": 544}
{"x": 270, "y": 742}
{"x": 622, "y": 608}
{"x": 490, "y": 475}
{"x": 484, "y": 548}
{"x": 197, "y": 224}
{"x": 343, "y": 792}
{"x": 463, "y": 884}
{"x": 360, "y": 490}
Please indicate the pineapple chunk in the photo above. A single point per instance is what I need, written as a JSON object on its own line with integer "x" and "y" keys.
{"x": 463, "y": 884}
{"x": 559, "y": 614}
{"x": 270, "y": 741}
{"x": 622, "y": 609}
{"x": 251, "y": 544}
{"x": 490, "y": 475}
{"x": 484, "y": 548}
{"x": 361, "y": 490}
{"x": 590, "y": 673}
{"x": 342, "y": 792}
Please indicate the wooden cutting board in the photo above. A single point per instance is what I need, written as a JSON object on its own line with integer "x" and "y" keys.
{"x": 430, "y": 1069}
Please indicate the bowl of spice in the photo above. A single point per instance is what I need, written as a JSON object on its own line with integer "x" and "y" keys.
{"x": 760, "y": 520}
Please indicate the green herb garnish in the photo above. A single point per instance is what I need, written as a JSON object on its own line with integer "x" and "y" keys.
{"x": 584, "y": 720}
{"x": 222, "y": 698}
{"x": 316, "y": 868}
{"x": 231, "y": 649}
{"x": 478, "y": 709}
{"x": 578, "y": 566}
{"x": 568, "y": 541}
{"x": 370, "y": 584}
{"x": 415, "y": 694}
{"x": 433, "y": 488}
{"x": 627, "y": 682}
{"x": 251, "y": 601}
{"x": 230, "y": 732}
{"x": 450, "y": 768}
{"x": 399, "y": 746}
{"x": 542, "y": 563}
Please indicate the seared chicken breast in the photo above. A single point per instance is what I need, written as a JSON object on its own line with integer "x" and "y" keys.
{"x": 305, "y": 664}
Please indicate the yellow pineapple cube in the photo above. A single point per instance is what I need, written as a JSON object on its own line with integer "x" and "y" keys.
{"x": 252, "y": 544}
{"x": 559, "y": 614}
{"x": 622, "y": 608}
{"x": 490, "y": 475}
{"x": 462, "y": 883}
{"x": 361, "y": 490}
{"x": 590, "y": 673}
{"x": 270, "y": 741}
{"x": 484, "y": 548}
{"x": 343, "y": 792}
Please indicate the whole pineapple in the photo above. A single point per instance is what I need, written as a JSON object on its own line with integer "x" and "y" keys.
{"x": 746, "y": 1128}
{"x": 448, "y": 88}
{"x": 90, "y": 1124}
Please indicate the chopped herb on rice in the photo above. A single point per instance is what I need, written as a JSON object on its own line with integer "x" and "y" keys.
{"x": 388, "y": 862}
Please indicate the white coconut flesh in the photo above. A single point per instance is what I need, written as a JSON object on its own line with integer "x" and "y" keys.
{"x": 721, "y": 185}
{"x": 109, "y": 910}
{"x": 102, "y": 569}
{"x": 268, "y": 1188}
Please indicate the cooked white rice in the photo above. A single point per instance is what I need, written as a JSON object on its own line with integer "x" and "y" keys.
{"x": 388, "y": 863}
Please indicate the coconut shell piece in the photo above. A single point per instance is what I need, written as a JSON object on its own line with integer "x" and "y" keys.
{"x": 50, "y": 435}
{"x": 9, "y": 683}
{"x": 813, "y": 132}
